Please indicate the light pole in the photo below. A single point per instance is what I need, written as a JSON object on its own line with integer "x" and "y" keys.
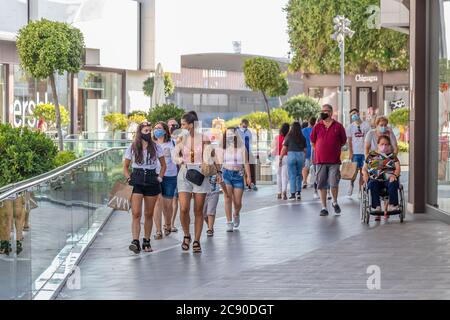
{"x": 341, "y": 30}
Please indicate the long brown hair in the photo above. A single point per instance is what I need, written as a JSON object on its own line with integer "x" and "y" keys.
{"x": 136, "y": 147}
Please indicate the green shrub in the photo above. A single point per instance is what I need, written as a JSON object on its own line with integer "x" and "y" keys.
{"x": 402, "y": 146}
{"x": 165, "y": 112}
{"x": 116, "y": 121}
{"x": 64, "y": 157}
{"x": 279, "y": 116}
{"x": 24, "y": 153}
{"x": 47, "y": 112}
{"x": 399, "y": 117}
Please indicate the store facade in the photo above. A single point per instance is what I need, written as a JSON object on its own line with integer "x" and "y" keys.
{"x": 384, "y": 91}
{"x": 110, "y": 80}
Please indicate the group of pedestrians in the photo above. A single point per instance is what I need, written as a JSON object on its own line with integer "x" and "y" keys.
{"x": 316, "y": 150}
{"x": 174, "y": 166}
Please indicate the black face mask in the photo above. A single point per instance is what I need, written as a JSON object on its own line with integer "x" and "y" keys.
{"x": 324, "y": 115}
{"x": 146, "y": 137}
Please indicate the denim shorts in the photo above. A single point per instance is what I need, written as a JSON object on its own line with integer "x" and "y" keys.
{"x": 168, "y": 187}
{"x": 359, "y": 159}
{"x": 233, "y": 178}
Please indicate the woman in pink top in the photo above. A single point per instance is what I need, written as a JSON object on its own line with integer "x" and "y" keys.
{"x": 281, "y": 162}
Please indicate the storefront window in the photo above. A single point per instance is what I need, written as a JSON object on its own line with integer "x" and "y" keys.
{"x": 395, "y": 97}
{"x": 444, "y": 106}
{"x": 99, "y": 94}
{"x": 29, "y": 92}
{"x": 331, "y": 95}
{"x": 2, "y": 94}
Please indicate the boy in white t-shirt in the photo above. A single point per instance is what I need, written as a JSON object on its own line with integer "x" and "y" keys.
{"x": 356, "y": 133}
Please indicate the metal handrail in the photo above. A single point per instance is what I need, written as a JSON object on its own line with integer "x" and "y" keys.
{"x": 29, "y": 183}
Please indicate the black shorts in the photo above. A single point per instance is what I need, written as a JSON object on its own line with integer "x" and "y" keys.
{"x": 147, "y": 191}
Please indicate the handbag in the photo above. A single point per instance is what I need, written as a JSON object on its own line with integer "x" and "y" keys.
{"x": 120, "y": 196}
{"x": 208, "y": 168}
{"x": 195, "y": 177}
{"x": 349, "y": 170}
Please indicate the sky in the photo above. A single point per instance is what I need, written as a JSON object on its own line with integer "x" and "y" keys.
{"x": 199, "y": 26}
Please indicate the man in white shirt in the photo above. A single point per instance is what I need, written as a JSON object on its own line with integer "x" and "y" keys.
{"x": 246, "y": 136}
{"x": 356, "y": 133}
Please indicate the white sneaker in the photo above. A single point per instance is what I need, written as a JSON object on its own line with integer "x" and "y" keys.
{"x": 350, "y": 191}
{"x": 237, "y": 221}
{"x": 316, "y": 195}
{"x": 229, "y": 226}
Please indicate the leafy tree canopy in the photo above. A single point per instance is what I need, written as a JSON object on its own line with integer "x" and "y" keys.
{"x": 149, "y": 83}
{"x": 262, "y": 74}
{"x": 302, "y": 107}
{"x": 310, "y": 26}
{"x": 46, "y": 47}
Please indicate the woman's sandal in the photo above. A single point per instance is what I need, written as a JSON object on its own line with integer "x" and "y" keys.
{"x": 167, "y": 231}
{"x": 158, "y": 235}
{"x": 210, "y": 232}
{"x": 174, "y": 229}
{"x": 146, "y": 245}
{"x": 185, "y": 245}
{"x": 196, "y": 248}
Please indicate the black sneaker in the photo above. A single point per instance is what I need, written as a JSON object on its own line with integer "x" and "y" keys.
{"x": 336, "y": 208}
{"x": 299, "y": 196}
{"x": 323, "y": 212}
{"x": 292, "y": 197}
{"x": 135, "y": 246}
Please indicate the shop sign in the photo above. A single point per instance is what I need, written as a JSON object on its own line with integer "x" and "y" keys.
{"x": 23, "y": 112}
{"x": 363, "y": 78}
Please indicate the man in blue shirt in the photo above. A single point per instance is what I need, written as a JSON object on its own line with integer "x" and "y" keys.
{"x": 246, "y": 136}
{"x": 307, "y": 133}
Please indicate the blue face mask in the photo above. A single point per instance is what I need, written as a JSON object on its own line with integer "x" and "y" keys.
{"x": 382, "y": 129}
{"x": 355, "y": 117}
{"x": 159, "y": 133}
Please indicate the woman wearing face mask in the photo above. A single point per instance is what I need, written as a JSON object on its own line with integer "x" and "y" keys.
{"x": 382, "y": 170}
{"x": 169, "y": 183}
{"x": 381, "y": 129}
{"x": 143, "y": 156}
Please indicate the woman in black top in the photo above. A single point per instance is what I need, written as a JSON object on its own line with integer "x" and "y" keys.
{"x": 294, "y": 146}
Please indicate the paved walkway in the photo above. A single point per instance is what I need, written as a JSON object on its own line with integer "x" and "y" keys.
{"x": 283, "y": 250}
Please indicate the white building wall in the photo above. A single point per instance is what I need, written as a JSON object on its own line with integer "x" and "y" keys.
{"x": 136, "y": 100}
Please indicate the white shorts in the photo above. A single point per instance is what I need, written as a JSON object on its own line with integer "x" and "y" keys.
{"x": 183, "y": 185}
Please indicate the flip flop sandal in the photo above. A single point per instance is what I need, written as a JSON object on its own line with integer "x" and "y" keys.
{"x": 167, "y": 231}
{"x": 146, "y": 245}
{"x": 174, "y": 229}
{"x": 158, "y": 235}
{"x": 185, "y": 244}
{"x": 196, "y": 248}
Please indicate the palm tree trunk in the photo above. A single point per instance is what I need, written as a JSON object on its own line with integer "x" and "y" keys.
{"x": 58, "y": 113}
{"x": 268, "y": 110}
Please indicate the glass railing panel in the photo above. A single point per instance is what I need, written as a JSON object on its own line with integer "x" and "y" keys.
{"x": 63, "y": 215}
